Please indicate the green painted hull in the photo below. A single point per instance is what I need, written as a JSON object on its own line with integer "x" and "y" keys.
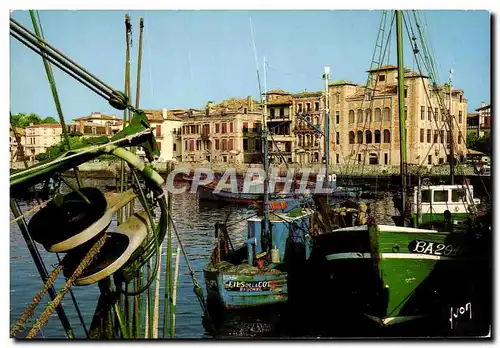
{"x": 394, "y": 274}
{"x": 419, "y": 272}
{"x": 428, "y": 218}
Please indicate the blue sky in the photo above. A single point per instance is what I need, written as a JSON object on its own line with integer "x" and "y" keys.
{"x": 191, "y": 57}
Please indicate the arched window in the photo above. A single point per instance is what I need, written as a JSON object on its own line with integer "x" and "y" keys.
{"x": 387, "y": 136}
{"x": 368, "y": 115}
{"x": 351, "y": 116}
{"x": 308, "y": 139}
{"x": 351, "y": 137}
{"x": 387, "y": 115}
{"x": 377, "y": 137}
{"x": 316, "y": 121}
{"x": 378, "y": 115}
{"x": 360, "y": 137}
{"x": 360, "y": 115}
{"x": 368, "y": 135}
{"x": 299, "y": 140}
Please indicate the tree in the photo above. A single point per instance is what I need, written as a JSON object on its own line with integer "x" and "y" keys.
{"x": 482, "y": 144}
{"x": 49, "y": 119}
{"x": 23, "y": 120}
{"x": 56, "y": 149}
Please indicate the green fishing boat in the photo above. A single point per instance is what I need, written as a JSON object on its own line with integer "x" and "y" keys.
{"x": 394, "y": 274}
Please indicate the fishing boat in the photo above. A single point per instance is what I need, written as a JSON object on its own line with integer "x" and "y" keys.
{"x": 395, "y": 274}
{"x": 258, "y": 272}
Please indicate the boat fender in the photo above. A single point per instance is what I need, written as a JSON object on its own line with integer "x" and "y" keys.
{"x": 275, "y": 255}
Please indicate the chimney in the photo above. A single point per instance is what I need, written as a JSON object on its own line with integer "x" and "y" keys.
{"x": 207, "y": 108}
{"x": 249, "y": 103}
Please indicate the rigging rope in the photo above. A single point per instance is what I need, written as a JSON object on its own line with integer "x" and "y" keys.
{"x": 44, "y": 317}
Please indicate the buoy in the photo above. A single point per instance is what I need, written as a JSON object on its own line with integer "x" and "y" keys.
{"x": 275, "y": 255}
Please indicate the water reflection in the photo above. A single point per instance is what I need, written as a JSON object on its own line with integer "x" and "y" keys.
{"x": 195, "y": 222}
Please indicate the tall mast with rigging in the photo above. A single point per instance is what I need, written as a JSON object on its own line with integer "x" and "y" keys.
{"x": 326, "y": 77}
{"x": 265, "y": 221}
{"x": 402, "y": 116}
{"x": 450, "y": 120}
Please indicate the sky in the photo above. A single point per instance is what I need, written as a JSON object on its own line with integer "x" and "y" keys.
{"x": 192, "y": 57}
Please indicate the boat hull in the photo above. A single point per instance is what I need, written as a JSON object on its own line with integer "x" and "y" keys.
{"x": 394, "y": 274}
{"x": 235, "y": 291}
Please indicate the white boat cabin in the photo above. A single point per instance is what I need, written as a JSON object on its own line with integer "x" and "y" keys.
{"x": 437, "y": 199}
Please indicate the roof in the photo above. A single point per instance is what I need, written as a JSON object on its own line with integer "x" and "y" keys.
{"x": 384, "y": 68}
{"x": 280, "y": 100}
{"x": 97, "y": 116}
{"x": 277, "y": 91}
{"x": 472, "y": 114}
{"x": 307, "y": 94}
{"x": 474, "y": 152}
{"x": 342, "y": 82}
{"x": 483, "y": 107}
{"x": 45, "y": 125}
{"x": 234, "y": 105}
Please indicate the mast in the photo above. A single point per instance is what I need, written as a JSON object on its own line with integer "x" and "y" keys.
{"x": 327, "y": 129}
{"x": 452, "y": 148}
{"x": 266, "y": 166}
{"x": 402, "y": 116}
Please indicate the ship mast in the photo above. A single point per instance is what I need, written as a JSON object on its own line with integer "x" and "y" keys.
{"x": 402, "y": 116}
{"x": 452, "y": 149}
{"x": 265, "y": 221}
{"x": 326, "y": 77}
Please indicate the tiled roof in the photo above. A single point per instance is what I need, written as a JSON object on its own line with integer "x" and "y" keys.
{"x": 234, "y": 105}
{"x": 277, "y": 91}
{"x": 45, "y": 125}
{"x": 483, "y": 107}
{"x": 281, "y": 100}
{"x": 383, "y": 68}
{"x": 154, "y": 115}
{"x": 472, "y": 114}
{"x": 96, "y": 116}
{"x": 341, "y": 82}
{"x": 307, "y": 94}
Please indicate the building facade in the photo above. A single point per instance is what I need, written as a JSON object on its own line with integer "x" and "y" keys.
{"x": 309, "y": 144}
{"x": 95, "y": 125}
{"x": 479, "y": 122}
{"x": 40, "y": 137}
{"x": 167, "y": 132}
{"x": 280, "y": 123}
{"x": 229, "y": 132}
{"x": 364, "y": 126}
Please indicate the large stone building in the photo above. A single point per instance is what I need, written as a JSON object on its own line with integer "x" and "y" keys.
{"x": 479, "y": 122}
{"x": 39, "y": 137}
{"x": 365, "y": 121}
{"x": 228, "y": 132}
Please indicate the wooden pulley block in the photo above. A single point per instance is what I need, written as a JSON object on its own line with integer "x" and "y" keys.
{"x": 63, "y": 226}
{"x": 115, "y": 252}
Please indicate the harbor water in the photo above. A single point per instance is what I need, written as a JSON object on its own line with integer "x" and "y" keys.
{"x": 195, "y": 222}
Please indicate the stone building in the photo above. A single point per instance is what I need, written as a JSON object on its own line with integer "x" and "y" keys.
{"x": 309, "y": 144}
{"x": 479, "y": 122}
{"x": 95, "y": 125}
{"x": 167, "y": 132}
{"x": 280, "y": 122}
{"x": 228, "y": 132}
{"x": 39, "y": 137}
{"x": 365, "y": 121}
